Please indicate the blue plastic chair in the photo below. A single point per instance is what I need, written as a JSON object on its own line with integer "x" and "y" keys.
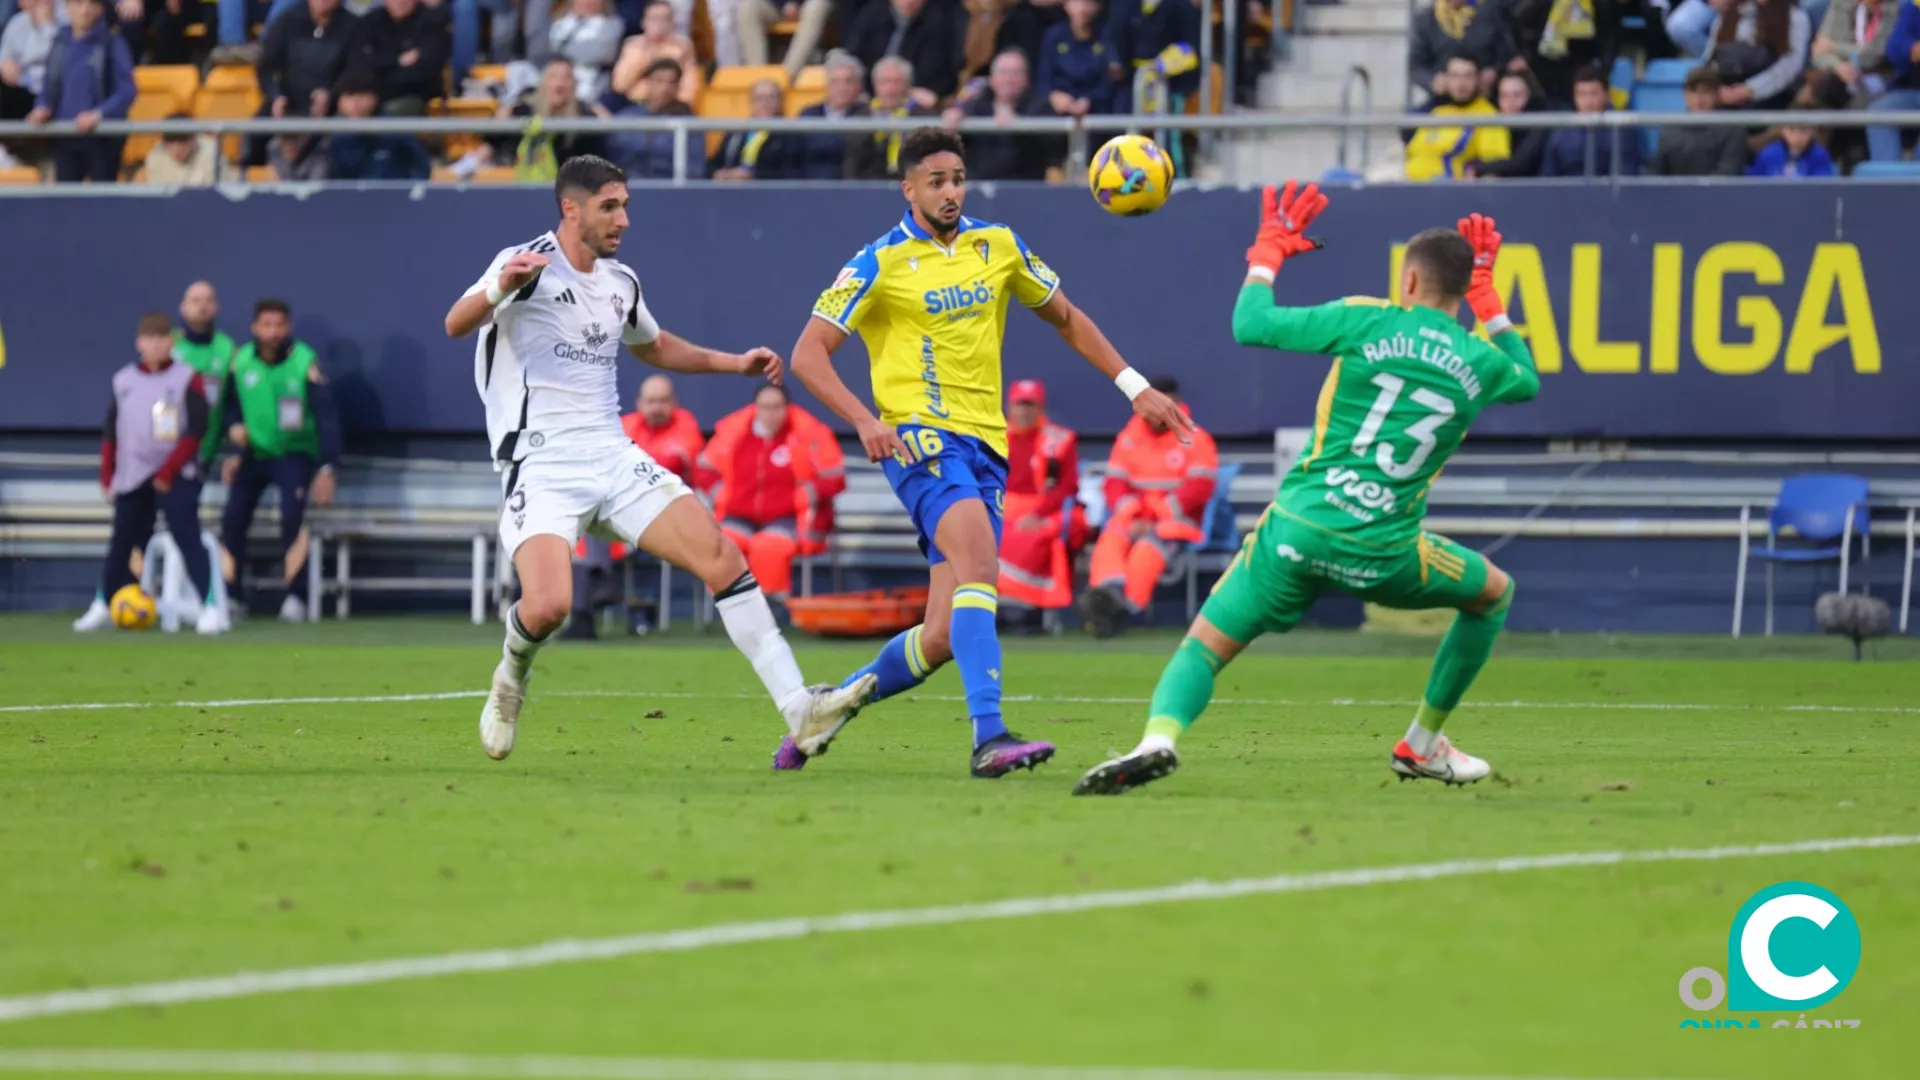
{"x": 1219, "y": 532}
{"x": 1670, "y": 71}
{"x": 1621, "y": 77}
{"x": 1888, "y": 170}
{"x": 1659, "y": 98}
{"x": 1826, "y": 510}
{"x": 1217, "y": 523}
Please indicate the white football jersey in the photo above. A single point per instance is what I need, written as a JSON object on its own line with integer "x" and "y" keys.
{"x": 545, "y": 365}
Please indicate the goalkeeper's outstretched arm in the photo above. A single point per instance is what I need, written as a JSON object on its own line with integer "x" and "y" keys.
{"x": 1257, "y": 320}
{"x": 1523, "y": 382}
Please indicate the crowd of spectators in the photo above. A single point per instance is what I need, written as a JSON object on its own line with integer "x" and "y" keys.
{"x": 73, "y": 60}
{"x": 1481, "y": 57}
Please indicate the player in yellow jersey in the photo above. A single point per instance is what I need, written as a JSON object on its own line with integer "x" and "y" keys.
{"x": 930, "y": 298}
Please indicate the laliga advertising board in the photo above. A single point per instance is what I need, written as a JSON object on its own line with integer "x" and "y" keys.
{"x": 1654, "y": 310}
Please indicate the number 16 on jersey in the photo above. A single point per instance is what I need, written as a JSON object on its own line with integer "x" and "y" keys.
{"x": 921, "y": 443}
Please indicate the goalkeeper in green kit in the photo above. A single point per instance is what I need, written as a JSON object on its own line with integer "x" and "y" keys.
{"x": 1406, "y": 384}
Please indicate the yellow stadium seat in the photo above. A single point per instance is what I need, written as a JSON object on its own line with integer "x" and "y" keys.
{"x": 444, "y": 174}
{"x": 809, "y": 89}
{"x": 494, "y": 174}
{"x": 19, "y": 174}
{"x": 487, "y": 73}
{"x": 228, "y": 78}
{"x": 230, "y": 93}
{"x": 146, "y": 106}
{"x": 181, "y": 81}
{"x": 262, "y": 174}
{"x": 730, "y": 91}
{"x": 475, "y": 108}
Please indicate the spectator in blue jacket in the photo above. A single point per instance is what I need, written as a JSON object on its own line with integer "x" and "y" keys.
{"x": 1903, "y": 92}
{"x": 824, "y": 156}
{"x": 1797, "y": 153}
{"x": 648, "y": 155}
{"x": 1566, "y": 153}
{"x": 89, "y": 79}
{"x": 371, "y": 157}
{"x": 1076, "y": 72}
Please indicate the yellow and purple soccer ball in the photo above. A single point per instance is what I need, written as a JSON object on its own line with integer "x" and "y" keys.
{"x": 1130, "y": 176}
{"x": 133, "y": 609}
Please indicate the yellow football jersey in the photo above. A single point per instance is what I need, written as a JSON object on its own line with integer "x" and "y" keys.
{"x": 933, "y": 318}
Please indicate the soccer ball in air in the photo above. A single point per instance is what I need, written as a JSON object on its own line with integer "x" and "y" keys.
{"x": 1130, "y": 176}
{"x": 133, "y": 609}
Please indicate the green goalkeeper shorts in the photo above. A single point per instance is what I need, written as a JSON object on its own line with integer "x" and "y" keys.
{"x": 1286, "y": 564}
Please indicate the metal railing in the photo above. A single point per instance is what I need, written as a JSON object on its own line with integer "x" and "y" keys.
{"x": 1076, "y": 131}
{"x": 1356, "y": 75}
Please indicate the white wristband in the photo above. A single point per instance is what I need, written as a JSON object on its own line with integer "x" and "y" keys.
{"x": 1264, "y": 273}
{"x": 1498, "y": 325}
{"x": 1131, "y": 383}
{"x": 494, "y": 295}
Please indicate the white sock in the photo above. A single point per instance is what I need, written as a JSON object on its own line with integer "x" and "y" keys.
{"x": 520, "y": 647}
{"x": 749, "y": 622}
{"x": 1420, "y": 739}
{"x": 1154, "y": 741}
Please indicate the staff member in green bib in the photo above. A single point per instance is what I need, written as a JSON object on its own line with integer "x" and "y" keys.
{"x": 288, "y": 436}
{"x": 200, "y": 345}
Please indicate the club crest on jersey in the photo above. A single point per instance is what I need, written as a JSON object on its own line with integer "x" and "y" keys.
{"x": 980, "y": 248}
{"x": 596, "y": 337}
{"x": 781, "y": 456}
{"x": 913, "y": 265}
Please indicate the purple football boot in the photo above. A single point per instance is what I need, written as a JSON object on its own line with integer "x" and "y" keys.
{"x": 788, "y": 756}
{"x": 1002, "y": 754}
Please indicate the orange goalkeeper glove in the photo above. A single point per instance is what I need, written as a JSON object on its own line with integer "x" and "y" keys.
{"x": 1482, "y": 297}
{"x": 1284, "y": 215}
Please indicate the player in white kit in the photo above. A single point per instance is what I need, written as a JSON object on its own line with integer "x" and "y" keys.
{"x": 553, "y": 316}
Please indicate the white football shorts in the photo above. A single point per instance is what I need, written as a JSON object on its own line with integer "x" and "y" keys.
{"x": 615, "y": 496}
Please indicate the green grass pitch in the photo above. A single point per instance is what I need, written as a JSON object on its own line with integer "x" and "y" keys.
{"x": 169, "y": 842}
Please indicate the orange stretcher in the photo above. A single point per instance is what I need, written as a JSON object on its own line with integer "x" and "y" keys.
{"x": 866, "y": 613}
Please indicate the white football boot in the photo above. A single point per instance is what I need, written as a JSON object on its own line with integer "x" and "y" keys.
{"x": 1443, "y": 761}
{"x": 827, "y": 710}
{"x": 293, "y": 609}
{"x": 212, "y": 620}
{"x": 98, "y": 617}
{"x": 500, "y": 716}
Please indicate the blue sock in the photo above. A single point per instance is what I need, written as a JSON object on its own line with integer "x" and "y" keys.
{"x": 976, "y": 648}
{"x": 900, "y": 666}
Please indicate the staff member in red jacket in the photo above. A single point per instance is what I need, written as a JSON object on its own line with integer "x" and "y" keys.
{"x": 1157, "y": 491}
{"x": 1043, "y": 472}
{"x": 668, "y": 433}
{"x": 779, "y": 469}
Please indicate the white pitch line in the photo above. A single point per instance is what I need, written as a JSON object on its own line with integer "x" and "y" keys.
{"x": 1030, "y": 699}
{"x": 549, "y": 1067}
{"x": 545, "y": 1067}
{"x": 333, "y": 976}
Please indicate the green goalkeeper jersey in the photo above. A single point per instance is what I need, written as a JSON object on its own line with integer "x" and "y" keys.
{"x": 1406, "y": 384}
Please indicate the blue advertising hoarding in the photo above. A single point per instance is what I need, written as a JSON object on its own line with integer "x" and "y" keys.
{"x": 1725, "y": 311}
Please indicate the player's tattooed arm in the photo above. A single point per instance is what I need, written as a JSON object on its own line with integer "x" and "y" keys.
{"x": 671, "y": 353}
{"x": 813, "y": 366}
